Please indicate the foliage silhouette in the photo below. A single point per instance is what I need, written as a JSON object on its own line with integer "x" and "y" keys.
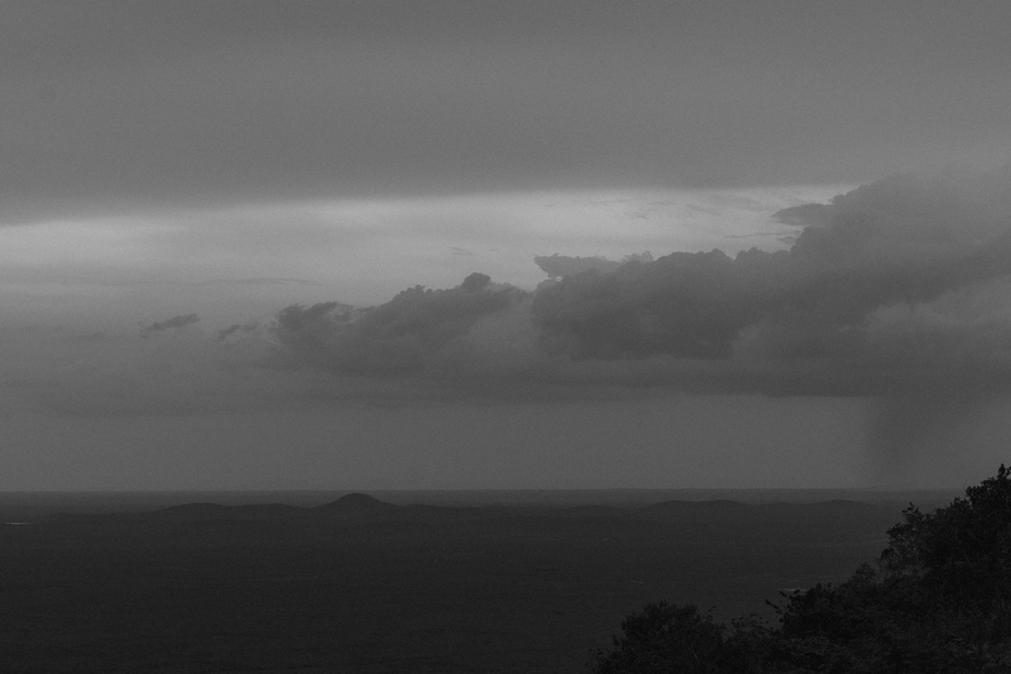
{"x": 937, "y": 601}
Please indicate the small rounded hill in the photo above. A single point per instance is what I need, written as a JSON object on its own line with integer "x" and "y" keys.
{"x": 356, "y": 502}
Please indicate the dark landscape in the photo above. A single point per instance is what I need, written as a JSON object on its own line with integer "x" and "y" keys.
{"x": 363, "y": 585}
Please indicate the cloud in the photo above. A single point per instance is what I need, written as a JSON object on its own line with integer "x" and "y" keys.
{"x": 411, "y": 334}
{"x": 174, "y": 323}
{"x": 237, "y": 330}
{"x": 897, "y": 295}
{"x": 224, "y": 102}
{"x": 251, "y": 258}
{"x": 811, "y": 314}
{"x": 558, "y": 266}
{"x": 899, "y": 291}
{"x": 825, "y": 317}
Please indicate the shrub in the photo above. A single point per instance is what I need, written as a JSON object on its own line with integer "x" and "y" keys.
{"x": 938, "y": 601}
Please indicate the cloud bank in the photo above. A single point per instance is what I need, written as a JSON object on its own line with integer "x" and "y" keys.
{"x": 892, "y": 286}
{"x": 896, "y": 296}
{"x": 419, "y": 332}
{"x": 117, "y": 106}
{"x": 898, "y": 292}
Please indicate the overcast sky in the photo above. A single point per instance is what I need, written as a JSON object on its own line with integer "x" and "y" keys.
{"x": 198, "y": 199}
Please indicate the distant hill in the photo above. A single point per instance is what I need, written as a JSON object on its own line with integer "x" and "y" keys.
{"x": 356, "y": 503}
{"x": 680, "y": 506}
{"x": 196, "y": 510}
{"x": 349, "y": 504}
{"x": 821, "y": 520}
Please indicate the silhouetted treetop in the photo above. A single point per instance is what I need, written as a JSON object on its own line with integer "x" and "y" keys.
{"x": 938, "y": 602}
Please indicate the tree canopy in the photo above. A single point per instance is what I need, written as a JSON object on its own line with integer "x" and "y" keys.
{"x": 938, "y": 600}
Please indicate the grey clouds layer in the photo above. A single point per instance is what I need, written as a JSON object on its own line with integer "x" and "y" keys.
{"x": 898, "y": 285}
{"x": 116, "y": 107}
{"x": 899, "y": 291}
{"x": 896, "y": 293}
{"x": 169, "y": 168}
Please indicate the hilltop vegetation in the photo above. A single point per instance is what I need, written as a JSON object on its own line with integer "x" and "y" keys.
{"x": 938, "y": 600}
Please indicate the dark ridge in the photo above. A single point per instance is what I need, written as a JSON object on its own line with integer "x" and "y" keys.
{"x": 356, "y": 503}
{"x": 268, "y": 510}
{"x": 196, "y": 509}
{"x": 717, "y": 505}
{"x": 843, "y": 505}
{"x": 593, "y": 511}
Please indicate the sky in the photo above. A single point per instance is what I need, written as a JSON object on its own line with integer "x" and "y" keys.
{"x": 353, "y": 245}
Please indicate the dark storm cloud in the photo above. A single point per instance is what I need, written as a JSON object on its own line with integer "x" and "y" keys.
{"x": 811, "y": 316}
{"x": 414, "y": 333}
{"x": 894, "y": 286}
{"x": 898, "y": 292}
{"x": 112, "y": 105}
{"x": 557, "y": 266}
